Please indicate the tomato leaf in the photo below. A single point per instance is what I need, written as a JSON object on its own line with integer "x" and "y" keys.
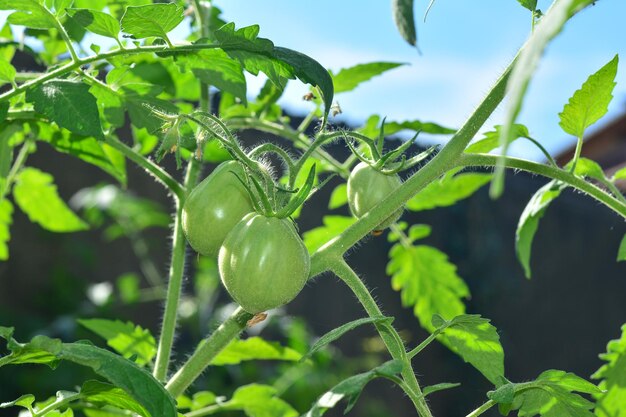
{"x": 339, "y": 196}
{"x": 612, "y": 401}
{"x": 29, "y": 13}
{"x": 347, "y": 79}
{"x": 405, "y": 22}
{"x": 448, "y": 190}
{"x": 428, "y": 282}
{"x": 621, "y": 253}
{"x": 550, "y": 26}
{"x": 335, "y": 334}
{"x": 350, "y": 388}
{"x": 36, "y": 194}
{"x": 254, "y": 348}
{"x": 100, "y": 23}
{"x": 125, "y": 338}
{"x": 6, "y": 212}
{"x": 417, "y": 126}
{"x": 529, "y": 221}
{"x": 258, "y": 400}
{"x": 69, "y": 104}
{"x": 590, "y": 102}
{"x": 152, "y": 20}
{"x": 7, "y": 72}
{"x": 439, "y": 387}
{"x": 199, "y": 400}
{"x": 528, "y": 4}
{"x": 491, "y": 139}
{"x": 333, "y": 226}
{"x": 25, "y": 401}
{"x": 101, "y": 394}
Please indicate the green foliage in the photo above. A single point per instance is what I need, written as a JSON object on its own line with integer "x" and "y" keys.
{"x": 348, "y": 79}
{"x": 339, "y": 196}
{"x": 529, "y": 221}
{"x": 258, "y": 400}
{"x": 372, "y": 128}
{"x": 528, "y": 4}
{"x": 100, "y": 23}
{"x": 29, "y": 13}
{"x": 350, "y": 389}
{"x": 36, "y": 194}
{"x": 333, "y": 226}
{"x": 7, "y": 72}
{"x": 448, "y": 190}
{"x": 405, "y": 22}
{"x": 152, "y": 20}
{"x": 621, "y": 253}
{"x": 591, "y": 102}
{"x": 611, "y": 402}
{"x": 492, "y": 138}
{"x": 6, "y": 211}
{"x": 254, "y": 348}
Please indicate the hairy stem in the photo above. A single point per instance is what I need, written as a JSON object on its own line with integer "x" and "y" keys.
{"x": 206, "y": 352}
{"x": 387, "y": 333}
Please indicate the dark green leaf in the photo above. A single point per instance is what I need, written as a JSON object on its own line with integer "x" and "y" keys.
{"x": 591, "y": 102}
{"x": 6, "y": 212}
{"x": 612, "y": 402}
{"x": 348, "y": 79}
{"x": 448, "y": 190}
{"x": 333, "y": 226}
{"x": 343, "y": 329}
{"x": 36, "y": 194}
{"x": 351, "y": 388}
{"x": 405, "y": 22}
{"x": 529, "y": 221}
{"x": 152, "y": 20}
{"x": 97, "y": 22}
{"x": 428, "y": 282}
{"x": 4, "y": 110}
{"x": 621, "y": 253}
{"x": 528, "y": 4}
{"x": 254, "y": 348}
{"x": 69, "y": 104}
{"x": 110, "y": 104}
{"x": 551, "y": 25}
{"x": 492, "y": 138}
{"x": 125, "y": 338}
{"x": 29, "y": 13}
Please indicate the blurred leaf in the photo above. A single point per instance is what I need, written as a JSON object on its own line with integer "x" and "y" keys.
{"x": 128, "y": 287}
{"x": 428, "y": 282}
{"x": 69, "y": 104}
{"x": 339, "y": 196}
{"x": 36, "y": 194}
{"x": 448, "y": 190}
{"x": 619, "y": 175}
{"x": 152, "y": 20}
{"x": 417, "y": 126}
{"x": 350, "y": 388}
{"x": 254, "y": 348}
{"x": 215, "y": 153}
{"x": 6, "y": 212}
{"x": 333, "y": 226}
{"x": 405, "y": 22}
{"x": 612, "y": 401}
{"x": 7, "y": 72}
{"x": 591, "y": 102}
{"x": 492, "y": 138}
{"x": 529, "y": 221}
{"x": 589, "y": 169}
{"x": 335, "y": 334}
{"x": 347, "y": 79}
{"x": 260, "y": 401}
{"x": 199, "y": 400}
{"x": 30, "y": 13}
{"x": 125, "y": 338}
{"x": 100, "y": 23}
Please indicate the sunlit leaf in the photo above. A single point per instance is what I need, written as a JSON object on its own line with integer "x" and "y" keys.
{"x": 348, "y": 79}
{"x": 97, "y": 22}
{"x": 491, "y": 139}
{"x": 339, "y": 196}
{"x": 7, "y": 72}
{"x": 6, "y": 211}
{"x": 333, "y": 227}
{"x": 612, "y": 402}
{"x": 448, "y": 190}
{"x": 152, "y": 20}
{"x": 254, "y": 348}
{"x": 258, "y": 400}
{"x": 528, "y": 4}
{"x": 29, "y": 13}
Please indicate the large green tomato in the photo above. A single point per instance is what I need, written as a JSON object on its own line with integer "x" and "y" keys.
{"x": 214, "y": 207}
{"x": 367, "y": 187}
{"x": 263, "y": 263}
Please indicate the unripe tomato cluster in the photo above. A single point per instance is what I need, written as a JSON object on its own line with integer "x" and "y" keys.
{"x": 263, "y": 263}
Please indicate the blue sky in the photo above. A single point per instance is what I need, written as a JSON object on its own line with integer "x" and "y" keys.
{"x": 465, "y": 46}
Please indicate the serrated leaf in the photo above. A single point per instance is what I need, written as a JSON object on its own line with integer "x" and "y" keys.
{"x": 258, "y": 400}
{"x": 97, "y": 22}
{"x": 612, "y": 402}
{"x": 36, "y": 195}
{"x": 69, "y": 104}
{"x": 100, "y": 394}
{"x": 333, "y": 226}
{"x": 29, "y": 13}
{"x": 152, "y": 20}
{"x": 491, "y": 139}
{"x": 339, "y": 196}
{"x": 335, "y": 334}
{"x": 7, "y": 72}
{"x": 125, "y": 338}
{"x": 254, "y": 348}
{"x": 347, "y": 79}
{"x": 548, "y": 27}
{"x": 475, "y": 340}
{"x": 405, "y": 22}
{"x": 122, "y": 373}
{"x": 6, "y": 212}
{"x": 448, "y": 190}
{"x": 428, "y": 282}
{"x": 529, "y": 221}
{"x": 350, "y": 388}
{"x": 591, "y": 102}
{"x": 528, "y": 4}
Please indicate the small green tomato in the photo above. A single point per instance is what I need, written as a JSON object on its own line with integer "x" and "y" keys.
{"x": 263, "y": 263}
{"x": 367, "y": 187}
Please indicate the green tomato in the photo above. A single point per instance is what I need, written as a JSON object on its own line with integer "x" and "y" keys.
{"x": 263, "y": 263}
{"x": 367, "y": 187}
{"x": 214, "y": 207}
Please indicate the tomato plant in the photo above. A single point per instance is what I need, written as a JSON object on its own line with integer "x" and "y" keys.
{"x": 140, "y": 96}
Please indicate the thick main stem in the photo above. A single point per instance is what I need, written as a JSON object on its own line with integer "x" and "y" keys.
{"x": 388, "y": 334}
